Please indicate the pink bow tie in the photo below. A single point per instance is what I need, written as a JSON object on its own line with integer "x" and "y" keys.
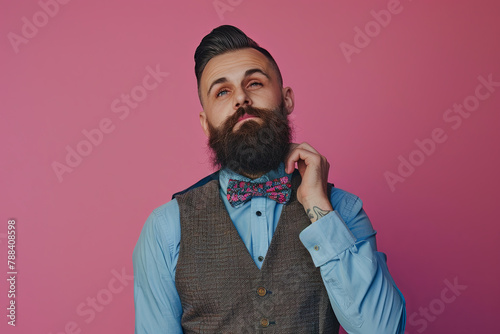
{"x": 239, "y": 192}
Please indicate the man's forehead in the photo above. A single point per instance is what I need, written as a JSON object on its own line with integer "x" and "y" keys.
{"x": 234, "y": 64}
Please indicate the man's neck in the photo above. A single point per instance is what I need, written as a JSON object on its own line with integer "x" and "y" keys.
{"x": 251, "y": 176}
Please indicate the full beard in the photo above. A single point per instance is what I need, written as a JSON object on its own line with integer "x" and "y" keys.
{"x": 254, "y": 149}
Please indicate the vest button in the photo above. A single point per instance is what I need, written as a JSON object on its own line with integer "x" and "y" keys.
{"x": 264, "y": 322}
{"x": 261, "y": 291}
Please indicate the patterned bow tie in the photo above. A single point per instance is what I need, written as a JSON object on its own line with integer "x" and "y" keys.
{"x": 239, "y": 192}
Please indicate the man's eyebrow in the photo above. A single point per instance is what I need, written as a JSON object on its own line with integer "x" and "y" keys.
{"x": 218, "y": 81}
{"x": 256, "y": 70}
{"x": 247, "y": 73}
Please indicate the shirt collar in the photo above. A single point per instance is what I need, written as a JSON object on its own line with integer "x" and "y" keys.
{"x": 226, "y": 174}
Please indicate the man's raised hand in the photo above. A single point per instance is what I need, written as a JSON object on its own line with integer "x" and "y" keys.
{"x": 313, "y": 168}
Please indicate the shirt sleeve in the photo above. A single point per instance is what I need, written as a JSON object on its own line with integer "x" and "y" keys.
{"x": 158, "y": 307}
{"x": 363, "y": 295}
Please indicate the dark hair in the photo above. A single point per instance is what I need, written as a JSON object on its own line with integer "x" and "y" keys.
{"x": 224, "y": 39}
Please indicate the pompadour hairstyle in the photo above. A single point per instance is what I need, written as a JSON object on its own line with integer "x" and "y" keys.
{"x": 224, "y": 39}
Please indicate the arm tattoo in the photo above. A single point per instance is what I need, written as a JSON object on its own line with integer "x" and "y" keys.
{"x": 316, "y": 213}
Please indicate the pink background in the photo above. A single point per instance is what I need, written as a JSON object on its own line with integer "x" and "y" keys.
{"x": 76, "y": 234}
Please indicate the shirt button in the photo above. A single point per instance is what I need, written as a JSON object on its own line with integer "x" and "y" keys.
{"x": 264, "y": 322}
{"x": 261, "y": 291}
{"x": 260, "y": 258}
{"x": 316, "y": 248}
{"x": 258, "y": 213}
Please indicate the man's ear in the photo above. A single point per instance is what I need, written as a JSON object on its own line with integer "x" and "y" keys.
{"x": 204, "y": 123}
{"x": 288, "y": 99}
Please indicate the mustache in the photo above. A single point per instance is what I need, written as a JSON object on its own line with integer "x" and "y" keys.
{"x": 249, "y": 110}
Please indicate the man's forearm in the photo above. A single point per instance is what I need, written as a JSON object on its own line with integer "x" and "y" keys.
{"x": 361, "y": 290}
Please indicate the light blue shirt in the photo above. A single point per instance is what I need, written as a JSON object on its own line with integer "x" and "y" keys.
{"x": 342, "y": 244}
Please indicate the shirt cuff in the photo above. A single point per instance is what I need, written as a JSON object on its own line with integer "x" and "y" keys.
{"x": 326, "y": 238}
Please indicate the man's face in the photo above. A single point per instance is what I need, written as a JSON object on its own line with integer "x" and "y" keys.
{"x": 238, "y": 79}
{"x": 245, "y": 112}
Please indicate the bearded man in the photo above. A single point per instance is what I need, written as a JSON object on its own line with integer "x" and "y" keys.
{"x": 259, "y": 246}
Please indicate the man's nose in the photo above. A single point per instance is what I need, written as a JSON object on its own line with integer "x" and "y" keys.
{"x": 241, "y": 99}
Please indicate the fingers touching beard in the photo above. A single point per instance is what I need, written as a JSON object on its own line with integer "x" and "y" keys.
{"x": 254, "y": 148}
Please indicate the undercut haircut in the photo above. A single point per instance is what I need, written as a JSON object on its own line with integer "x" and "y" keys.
{"x": 224, "y": 39}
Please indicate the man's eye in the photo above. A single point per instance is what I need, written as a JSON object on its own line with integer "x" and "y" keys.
{"x": 222, "y": 92}
{"x": 255, "y": 84}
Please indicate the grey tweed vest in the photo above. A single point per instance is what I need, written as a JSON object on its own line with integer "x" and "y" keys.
{"x": 221, "y": 288}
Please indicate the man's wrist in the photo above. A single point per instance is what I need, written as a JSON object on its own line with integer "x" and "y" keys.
{"x": 317, "y": 208}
